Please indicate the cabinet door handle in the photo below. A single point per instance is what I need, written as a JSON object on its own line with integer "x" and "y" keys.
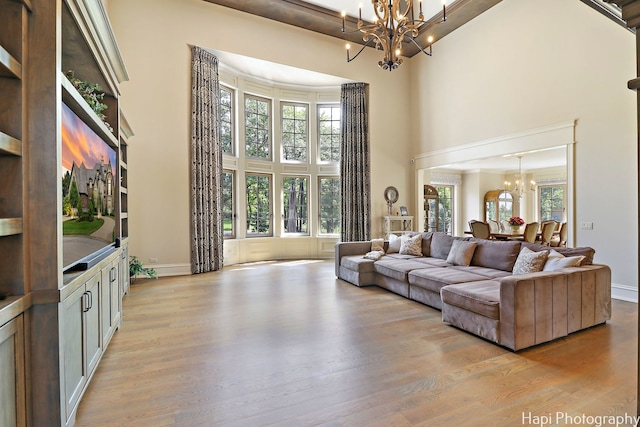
{"x": 85, "y": 302}
{"x": 112, "y": 274}
{"x": 90, "y": 300}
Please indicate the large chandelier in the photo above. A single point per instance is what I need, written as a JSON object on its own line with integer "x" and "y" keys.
{"x": 520, "y": 188}
{"x": 394, "y": 23}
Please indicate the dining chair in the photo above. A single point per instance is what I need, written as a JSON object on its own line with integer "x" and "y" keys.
{"x": 480, "y": 229}
{"x": 530, "y": 232}
{"x": 505, "y": 224}
{"x": 547, "y": 232}
{"x": 494, "y": 226}
{"x": 561, "y": 239}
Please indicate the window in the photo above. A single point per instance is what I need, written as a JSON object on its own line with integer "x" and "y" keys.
{"x": 445, "y": 208}
{"x": 505, "y": 206}
{"x": 329, "y": 133}
{"x": 296, "y": 205}
{"x": 551, "y": 202}
{"x": 329, "y": 205}
{"x": 228, "y": 217}
{"x": 226, "y": 120}
{"x": 258, "y": 205}
{"x": 294, "y": 132}
{"x": 257, "y": 127}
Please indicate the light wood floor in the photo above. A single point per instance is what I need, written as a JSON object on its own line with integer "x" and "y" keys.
{"x": 287, "y": 344}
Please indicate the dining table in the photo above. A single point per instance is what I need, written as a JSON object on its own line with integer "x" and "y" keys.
{"x": 512, "y": 234}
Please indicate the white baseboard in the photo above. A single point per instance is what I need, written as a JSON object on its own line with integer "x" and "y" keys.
{"x": 624, "y": 293}
{"x": 165, "y": 270}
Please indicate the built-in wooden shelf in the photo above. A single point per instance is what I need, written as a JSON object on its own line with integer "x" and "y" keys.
{"x": 76, "y": 102}
{"x": 12, "y": 306}
{"x": 10, "y": 145}
{"x": 10, "y": 226}
{"x": 9, "y": 66}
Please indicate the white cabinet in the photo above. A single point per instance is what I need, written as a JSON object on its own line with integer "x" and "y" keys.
{"x": 110, "y": 300}
{"x": 12, "y": 379}
{"x": 125, "y": 282}
{"x": 397, "y": 225}
{"x": 81, "y": 339}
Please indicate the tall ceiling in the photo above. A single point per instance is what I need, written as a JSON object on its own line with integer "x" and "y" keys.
{"x": 324, "y": 16}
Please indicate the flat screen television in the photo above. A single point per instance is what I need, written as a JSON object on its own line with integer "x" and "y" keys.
{"x": 89, "y": 188}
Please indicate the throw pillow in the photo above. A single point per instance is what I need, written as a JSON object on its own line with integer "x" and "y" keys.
{"x": 461, "y": 252}
{"x": 377, "y": 245}
{"x": 530, "y": 261}
{"x": 374, "y": 255}
{"x": 556, "y": 261}
{"x": 394, "y": 244}
{"x": 411, "y": 245}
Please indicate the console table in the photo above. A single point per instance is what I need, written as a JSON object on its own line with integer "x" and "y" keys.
{"x": 397, "y": 224}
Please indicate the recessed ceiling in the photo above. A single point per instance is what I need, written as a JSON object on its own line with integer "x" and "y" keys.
{"x": 540, "y": 159}
{"x": 273, "y": 72}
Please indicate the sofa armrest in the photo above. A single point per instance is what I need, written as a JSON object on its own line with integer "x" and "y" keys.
{"x": 539, "y": 307}
{"x": 350, "y": 248}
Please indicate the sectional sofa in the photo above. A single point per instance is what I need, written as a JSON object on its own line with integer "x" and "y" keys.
{"x": 514, "y": 293}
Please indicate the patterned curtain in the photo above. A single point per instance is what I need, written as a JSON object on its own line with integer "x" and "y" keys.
{"x": 354, "y": 164}
{"x": 207, "y": 233}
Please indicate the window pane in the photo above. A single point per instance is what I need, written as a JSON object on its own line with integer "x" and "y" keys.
{"x": 296, "y": 205}
{"x": 227, "y": 204}
{"x": 258, "y": 205}
{"x": 551, "y": 201}
{"x": 329, "y": 205}
{"x": 445, "y": 208}
{"x": 294, "y": 132}
{"x": 257, "y": 128}
{"x": 329, "y": 129}
{"x": 226, "y": 120}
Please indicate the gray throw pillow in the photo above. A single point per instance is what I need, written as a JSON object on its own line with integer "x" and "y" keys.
{"x": 461, "y": 252}
{"x": 529, "y": 261}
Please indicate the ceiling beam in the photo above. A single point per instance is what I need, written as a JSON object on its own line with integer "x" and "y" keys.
{"x": 325, "y": 21}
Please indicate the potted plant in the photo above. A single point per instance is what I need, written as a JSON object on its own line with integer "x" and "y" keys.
{"x": 136, "y": 267}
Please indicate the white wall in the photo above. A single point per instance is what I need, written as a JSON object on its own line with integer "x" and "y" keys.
{"x": 155, "y": 38}
{"x": 530, "y": 63}
{"x": 521, "y": 65}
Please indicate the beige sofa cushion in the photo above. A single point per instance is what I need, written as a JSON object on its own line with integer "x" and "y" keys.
{"x": 435, "y": 278}
{"x": 357, "y": 263}
{"x": 441, "y": 245}
{"x": 482, "y": 297}
{"x": 396, "y": 268}
{"x": 496, "y": 254}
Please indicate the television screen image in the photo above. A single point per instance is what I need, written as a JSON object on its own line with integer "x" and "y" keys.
{"x": 88, "y": 192}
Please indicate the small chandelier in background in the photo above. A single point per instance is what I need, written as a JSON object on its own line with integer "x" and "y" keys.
{"x": 390, "y": 28}
{"x": 520, "y": 188}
